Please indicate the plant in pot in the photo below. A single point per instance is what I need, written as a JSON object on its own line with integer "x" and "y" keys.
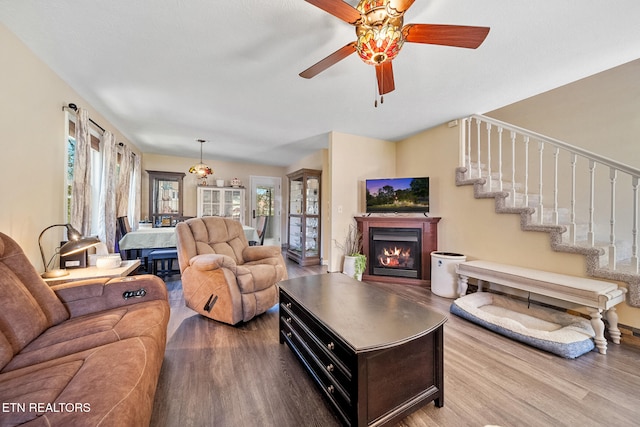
{"x": 354, "y": 261}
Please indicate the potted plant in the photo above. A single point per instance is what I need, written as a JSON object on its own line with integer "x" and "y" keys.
{"x": 354, "y": 261}
{"x": 359, "y": 266}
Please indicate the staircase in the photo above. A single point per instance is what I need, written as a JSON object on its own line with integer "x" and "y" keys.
{"x": 588, "y": 204}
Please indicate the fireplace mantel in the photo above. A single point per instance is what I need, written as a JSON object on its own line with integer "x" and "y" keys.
{"x": 429, "y": 227}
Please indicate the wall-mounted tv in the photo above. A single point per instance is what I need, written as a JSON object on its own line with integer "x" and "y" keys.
{"x": 396, "y": 195}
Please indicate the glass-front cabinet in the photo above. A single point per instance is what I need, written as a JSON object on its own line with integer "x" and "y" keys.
{"x": 221, "y": 201}
{"x": 304, "y": 216}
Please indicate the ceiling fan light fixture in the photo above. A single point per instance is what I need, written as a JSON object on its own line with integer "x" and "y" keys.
{"x": 200, "y": 169}
{"x": 379, "y": 34}
{"x": 377, "y": 45}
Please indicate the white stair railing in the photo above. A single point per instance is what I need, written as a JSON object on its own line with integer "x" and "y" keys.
{"x": 605, "y": 208}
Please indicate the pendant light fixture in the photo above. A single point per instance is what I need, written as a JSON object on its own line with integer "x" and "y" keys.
{"x": 201, "y": 170}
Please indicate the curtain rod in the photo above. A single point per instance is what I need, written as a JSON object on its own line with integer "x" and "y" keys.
{"x": 74, "y": 107}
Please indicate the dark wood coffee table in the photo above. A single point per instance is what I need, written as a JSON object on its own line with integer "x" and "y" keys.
{"x": 376, "y": 356}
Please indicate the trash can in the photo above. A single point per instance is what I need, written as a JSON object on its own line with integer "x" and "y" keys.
{"x": 444, "y": 280}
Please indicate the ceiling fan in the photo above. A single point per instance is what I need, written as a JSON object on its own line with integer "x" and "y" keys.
{"x": 380, "y": 35}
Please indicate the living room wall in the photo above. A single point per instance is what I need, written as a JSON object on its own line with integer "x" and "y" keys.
{"x": 221, "y": 170}
{"x": 598, "y": 113}
{"x": 32, "y": 139}
{"x": 353, "y": 159}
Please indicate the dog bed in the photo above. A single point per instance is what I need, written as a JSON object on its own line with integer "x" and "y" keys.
{"x": 560, "y": 333}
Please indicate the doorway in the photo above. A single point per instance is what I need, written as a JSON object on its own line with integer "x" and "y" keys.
{"x": 266, "y": 200}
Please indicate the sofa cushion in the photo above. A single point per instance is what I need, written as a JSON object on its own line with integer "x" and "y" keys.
{"x": 21, "y": 318}
{"x": 93, "y": 330}
{"x": 6, "y": 350}
{"x": 12, "y": 256}
{"x": 29, "y": 306}
{"x": 110, "y": 385}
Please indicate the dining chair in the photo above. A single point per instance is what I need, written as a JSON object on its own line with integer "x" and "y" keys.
{"x": 262, "y": 223}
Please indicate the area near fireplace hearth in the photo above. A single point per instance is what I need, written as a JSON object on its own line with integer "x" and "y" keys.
{"x": 398, "y": 248}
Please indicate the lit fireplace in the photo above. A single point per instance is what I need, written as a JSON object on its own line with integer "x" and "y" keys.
{"x": 399, "y": 257}
{"x": 395, "y": 252}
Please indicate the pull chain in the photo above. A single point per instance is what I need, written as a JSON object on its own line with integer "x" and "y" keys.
{"x": 375, "y": 102}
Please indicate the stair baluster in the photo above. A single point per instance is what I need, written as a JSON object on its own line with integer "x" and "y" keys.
{"x": 489, "y": 176}
{"x": 555, "y": 186}
{"x": 634, "y": 225}
{"x": 572, "y": 213}
{"x": 540, "y": 209}
{"x": 592, "y": 190}
{"x": 513, "y": 169}
{"x": 613, "y": 175}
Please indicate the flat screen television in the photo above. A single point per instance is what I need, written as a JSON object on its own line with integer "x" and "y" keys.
{"x": 398, "y": 195}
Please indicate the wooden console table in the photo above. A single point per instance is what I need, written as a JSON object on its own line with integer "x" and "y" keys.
{"x": 375, "y": 356}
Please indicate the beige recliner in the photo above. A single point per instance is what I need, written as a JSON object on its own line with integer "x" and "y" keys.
{"x": 224, "y": 278}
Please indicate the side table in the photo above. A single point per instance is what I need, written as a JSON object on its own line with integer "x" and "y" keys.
{"x": 75, "y": 274}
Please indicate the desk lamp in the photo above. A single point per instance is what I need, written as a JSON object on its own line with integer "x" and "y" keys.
{"x": 77, "y": 243}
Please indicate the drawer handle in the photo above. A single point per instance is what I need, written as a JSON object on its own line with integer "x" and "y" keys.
{"x": 331, "y": 346}
{"x": 288, "y": 334}
{"x": 330, "y": 389}
{"x": 288, "y": 319}
{"x": 288, "y": 305}
{"x": 330, "y": 367}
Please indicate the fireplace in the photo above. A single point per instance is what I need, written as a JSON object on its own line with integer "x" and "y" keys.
{"x": 395, "y": 252}
{"x": 408, "y": 241}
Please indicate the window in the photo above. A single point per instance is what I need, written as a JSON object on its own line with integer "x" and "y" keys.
{"x": 96, "y": 171}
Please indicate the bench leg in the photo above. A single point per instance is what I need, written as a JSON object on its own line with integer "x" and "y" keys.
{"x": 463, "y": 284}
{"x": 598, "y": 327}
{"x": 612, "y": 319}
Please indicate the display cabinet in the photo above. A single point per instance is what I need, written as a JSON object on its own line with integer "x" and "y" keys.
{"x": 304, "y": 217}
{"x": 221, "y": 201}
{"x": 165, "y": 197}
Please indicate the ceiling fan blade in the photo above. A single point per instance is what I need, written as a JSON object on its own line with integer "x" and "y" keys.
{"x": 339, "y": 9}
{"x": 384, "y": 74}
{"x": 401, "y": 5}
{"x": 330, "y": 60}
{"x": 446, "y": 35}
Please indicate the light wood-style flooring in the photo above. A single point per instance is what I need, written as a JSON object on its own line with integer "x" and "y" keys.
{"x": 220, "y": 375}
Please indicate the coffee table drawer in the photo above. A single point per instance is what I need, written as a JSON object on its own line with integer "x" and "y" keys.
{"x": 334, "y": 367}
{"x": 332, "y": 389}
{"x": 330, "y": 343}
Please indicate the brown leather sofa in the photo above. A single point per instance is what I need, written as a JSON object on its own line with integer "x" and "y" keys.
{"x": 78, "y": 354}
{"x": 224, "y": 278}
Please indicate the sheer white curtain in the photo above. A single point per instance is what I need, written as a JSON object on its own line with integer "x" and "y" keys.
{"x": 81, "y": 187}
{"x": 128, "y": 186}
{"x": 133, "y": 211}
{"x": 124, "y": 181}
{"x": 107, "y": 203}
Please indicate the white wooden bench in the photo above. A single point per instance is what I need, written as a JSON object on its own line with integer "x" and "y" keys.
{"x": 599, "y": 297}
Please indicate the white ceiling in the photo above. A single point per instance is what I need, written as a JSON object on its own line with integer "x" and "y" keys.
{"x": 168, "y": 72}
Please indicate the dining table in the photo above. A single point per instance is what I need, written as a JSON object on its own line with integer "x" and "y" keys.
{"x": 163, "y": 237}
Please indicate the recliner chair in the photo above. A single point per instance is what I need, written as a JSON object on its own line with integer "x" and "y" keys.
{"x": 224, "y": 278}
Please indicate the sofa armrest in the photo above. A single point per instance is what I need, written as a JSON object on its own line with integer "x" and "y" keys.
{"x": 257, "y": 253}
{"x": 95, "y": 295}
{"x": 207, "y": 262}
